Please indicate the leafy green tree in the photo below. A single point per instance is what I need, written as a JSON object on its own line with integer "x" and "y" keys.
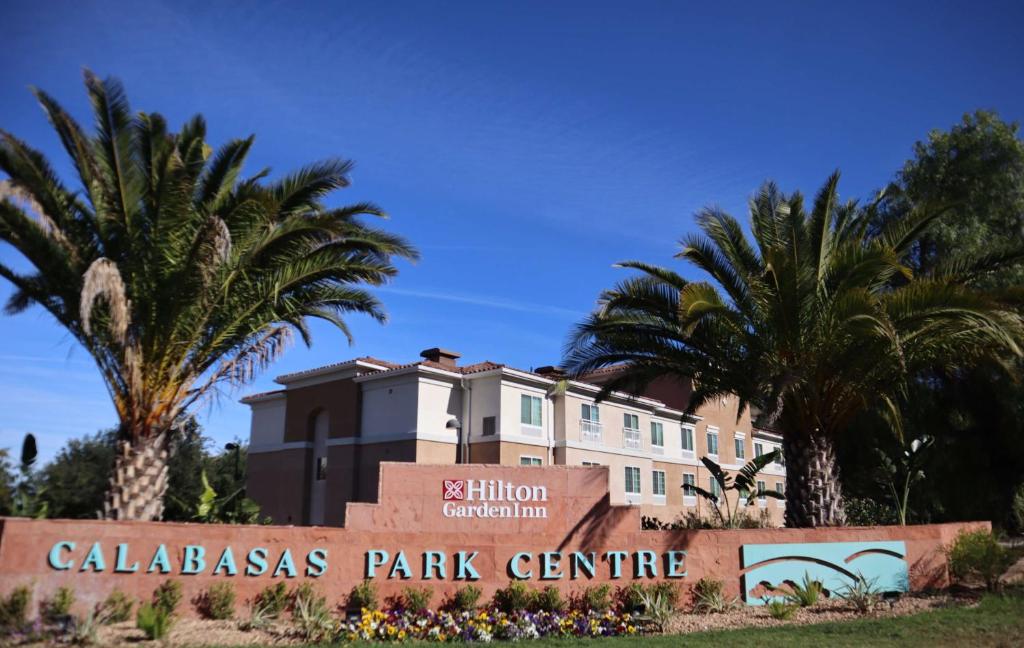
{"x": 814, "y": 321}
{"x": 6, "y": 483}
{"x": 177, "y": 274}
{"x": 76, "y": 479}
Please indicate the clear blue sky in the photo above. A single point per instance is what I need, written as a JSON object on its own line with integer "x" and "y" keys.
{"x": 522, "y": 146}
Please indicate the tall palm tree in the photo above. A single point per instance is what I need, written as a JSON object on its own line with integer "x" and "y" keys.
{"x": 815, "y": 321}
{"x": 175, "y": 273}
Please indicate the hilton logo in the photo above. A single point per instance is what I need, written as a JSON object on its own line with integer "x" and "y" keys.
{"x": 493, "y": 498}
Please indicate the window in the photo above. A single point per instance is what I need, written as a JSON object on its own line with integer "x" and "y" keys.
{"x": 762, "y": 499}
{"x": 529, "y": 410}
{"x": 713, "y": 441}
{"x": 630, "y": 431}
{"x": 758, "y": 449}
{"x": 321, "y": 468}
{"x": 658, "y": 482}
{"x": 657, "y": 434}
{"x": 689, "y": 481}
{"x": 688, "y": 439}
{"x": 778, "y": 458}
{"x": 525, "y": 460}
{"x": 713, "y": 487}
{"x": 741, "y": 452}
{"x": 633, "y": 480}
{"x": 590, "y": 463}
{"x": 590, "y": 423}
{"x": 489, "y": 425}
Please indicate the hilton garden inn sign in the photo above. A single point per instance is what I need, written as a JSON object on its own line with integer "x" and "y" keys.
{"x": 445, "y": 526}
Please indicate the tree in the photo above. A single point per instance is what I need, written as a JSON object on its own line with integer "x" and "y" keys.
{"x": 177, "y": 275}
{"x": 744, "y": 483}
{"x": 74, "y": 482}
{"x": 6, "y": 483}
{"x": 819, "y": 322}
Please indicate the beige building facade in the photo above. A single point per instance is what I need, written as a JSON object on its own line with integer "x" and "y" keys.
{"x": 317, "y": 443}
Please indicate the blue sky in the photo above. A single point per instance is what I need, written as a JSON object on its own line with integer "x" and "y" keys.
{"x": 524, "y": 147}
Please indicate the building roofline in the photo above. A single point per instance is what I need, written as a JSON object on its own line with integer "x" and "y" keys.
{"x": 365, "y": 363}
{"x": 262, "y": 397}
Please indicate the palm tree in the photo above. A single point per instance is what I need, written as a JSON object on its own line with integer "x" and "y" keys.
{"x": 814, "y": 322}
{"x": 744, "y": 483}
{"x": 176, "y": 274}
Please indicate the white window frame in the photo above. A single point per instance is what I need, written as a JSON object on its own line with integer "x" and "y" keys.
{"x": 659, "y": 498}
{"x": 708, "y": 434}
{"x": 530, "y": 428}
{"x": 658, "y": 448}
{"x": 530, "y": 460}
{"x": 739, "y": 442}
{"x": 632, "y": 470}
{"x": 689, "y": 500}
{"x": 692, "y": 430}
{"x": 631, "y": 437}
{"x": 762, "y": 488}
{"x": 759, "y": 444}
{"x": 780, "y": 488}
{"x": 590, "y": 423}
{"x": 714, "y": 487}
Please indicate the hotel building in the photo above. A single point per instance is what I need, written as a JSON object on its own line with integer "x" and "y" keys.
{"x": 317, "y": 443}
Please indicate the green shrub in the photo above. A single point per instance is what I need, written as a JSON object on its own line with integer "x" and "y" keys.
{"x": 668, "y": 591}
{"x": 514, "y": 598}
{"x": 780, "y": 610}
{"x": 630, "y": 598}
{"x": 658, "y": 609}
{"x": 84, "y": 630}
{"x": 709, "y": 597}
{"x": 155, "y": 621}
{"x": 548, "y": 599}
{"x": 363, "y": 596}
{"x": 863, "y": 511}
{"x": 417, "y": 599}
{"x": 311, "y": 616}
{"x": 167, "y": 596}
{"x": 14, "y": 608}
{"x": 863, "y": 595}
{"x": 57, "y": 608}
{"x": 1017, "y": 511}
{"x": 596, "y": 598}
{"x": 978, "y": 555}
{"x": 116, "y": 608}
{"x": 465, "y": 599}
{"x": 805, "y": 593}
{"x": 218, "y": 602}
{"x": 272, "y": 600}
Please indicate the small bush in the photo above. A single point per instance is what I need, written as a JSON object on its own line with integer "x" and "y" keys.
{"x": 548, "y": 599}
{"x": 155, "y": 621}
{"x": 805, "y": 594}
{"x": 311, "y": 616}
{"x": 863, "y": 595}
{"x": 258, "y": 619}
{"x": 465, "y": 599}
{"x": 116, "y": 608}
{"x": 363, "y": 596}
{"x": 514, "y": 598}
{"x": 167, "y": 596}
{"x": 596, "y": 598}
{"x": 862, "y": 511}
{"x": 630, "y": 598}
{"x": 218, "y": 602}
{"x": 84, "y": 630}
{"x": 417, "y": 599}
{"x": 709, "y": 597}
{"x": 978, "y": 555}
{"x": 658, "y": 609}
{"x": 272, "y": 600}
{"x": 780, "y": 610}
{"x": 14, "y": 608}
{"x": 57, "y": 608}
{"x": 668, "y": 591}
{"x": 1017, "y": 511}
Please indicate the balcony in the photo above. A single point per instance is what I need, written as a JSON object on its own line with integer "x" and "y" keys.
{"x": 590, "y": 431}
{"x": 631, "y": 438}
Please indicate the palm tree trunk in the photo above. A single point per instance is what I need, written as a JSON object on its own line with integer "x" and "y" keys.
{"x": 139, "y": 482}
{"x": 814, "y": 495}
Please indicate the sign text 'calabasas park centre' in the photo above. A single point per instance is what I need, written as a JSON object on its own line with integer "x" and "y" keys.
{"x": 447, "y": 525}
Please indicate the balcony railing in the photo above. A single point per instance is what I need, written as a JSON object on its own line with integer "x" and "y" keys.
{"x": 590, "y": 431}
{"x": 631, "y": 438}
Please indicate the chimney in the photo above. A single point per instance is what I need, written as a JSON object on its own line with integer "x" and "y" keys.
{"x": 443, "y": 357}
{"x": 550, "y": 371}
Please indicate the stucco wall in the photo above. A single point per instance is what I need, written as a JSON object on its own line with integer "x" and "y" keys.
{"x": 409, "y": 518}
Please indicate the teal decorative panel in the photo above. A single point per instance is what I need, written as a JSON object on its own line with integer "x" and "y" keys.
{"x": 834, "y": 564}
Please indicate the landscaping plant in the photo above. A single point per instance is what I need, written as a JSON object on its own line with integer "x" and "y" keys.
{"x": 780, "y": 610}
{"x": 14, "y": 609}
{"x": 273, "y": 600}
{"x": 155, "y": 621}
{"x": 548, "y": 599}
{"x": 595, "y": 598}
{"x": 516, "y": 597}
{"x": 167, "y": 596}
{"x": 709, "y": 597}
{"x": 417, "y": 599}
{"x": 218, "y": 602}
{"x": 176, "y": 271}
{"x": 804, "y": 594}
{"x": 363, "y": 596}
{"x": 116, "y": 608}
{"x": 862, "y": 594}
{"x": 57, "y": 608}
{"x": 311, "y": 616}
{"x": 465, "y": 598}
{"x": 978, "y": 555}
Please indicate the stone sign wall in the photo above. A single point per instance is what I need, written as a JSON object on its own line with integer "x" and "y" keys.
{"x": 447, "y": 526}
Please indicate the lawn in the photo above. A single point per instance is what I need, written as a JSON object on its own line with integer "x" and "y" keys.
{"x": 997, "y": 621}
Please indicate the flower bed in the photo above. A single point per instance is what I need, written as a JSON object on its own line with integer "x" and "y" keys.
{"x": 486, "y": 625}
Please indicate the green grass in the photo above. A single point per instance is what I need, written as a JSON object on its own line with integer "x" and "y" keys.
{"x": 997, "y": 621}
